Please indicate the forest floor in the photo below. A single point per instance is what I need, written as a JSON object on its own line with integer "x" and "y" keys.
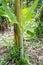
{"x": 34, "y": 52}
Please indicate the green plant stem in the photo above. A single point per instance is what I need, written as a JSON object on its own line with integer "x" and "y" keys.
{"x": 18, "y": 33}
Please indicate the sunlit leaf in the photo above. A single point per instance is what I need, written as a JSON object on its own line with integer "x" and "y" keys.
{"x": 24, "y": 11}
{"x": 28, "y": 16}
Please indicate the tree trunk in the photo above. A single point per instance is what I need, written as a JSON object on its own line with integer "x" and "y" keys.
{"x": 18, "y": 32}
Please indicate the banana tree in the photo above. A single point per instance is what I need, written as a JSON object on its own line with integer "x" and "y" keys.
{"x": 18, "y": 20}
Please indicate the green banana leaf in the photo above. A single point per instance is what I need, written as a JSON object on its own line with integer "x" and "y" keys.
{"x": 28, "y": 16}
{"x": 8, "y": 12}
{"x": 2, "y": 12}
{"x": 30, "y": 33}
{"x": 30, "y": 28}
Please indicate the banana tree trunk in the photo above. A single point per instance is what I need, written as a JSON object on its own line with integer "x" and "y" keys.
{"x": 18, "y": 32}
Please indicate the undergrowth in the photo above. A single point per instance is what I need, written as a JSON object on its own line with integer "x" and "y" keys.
{"x": 14, "y": 56}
